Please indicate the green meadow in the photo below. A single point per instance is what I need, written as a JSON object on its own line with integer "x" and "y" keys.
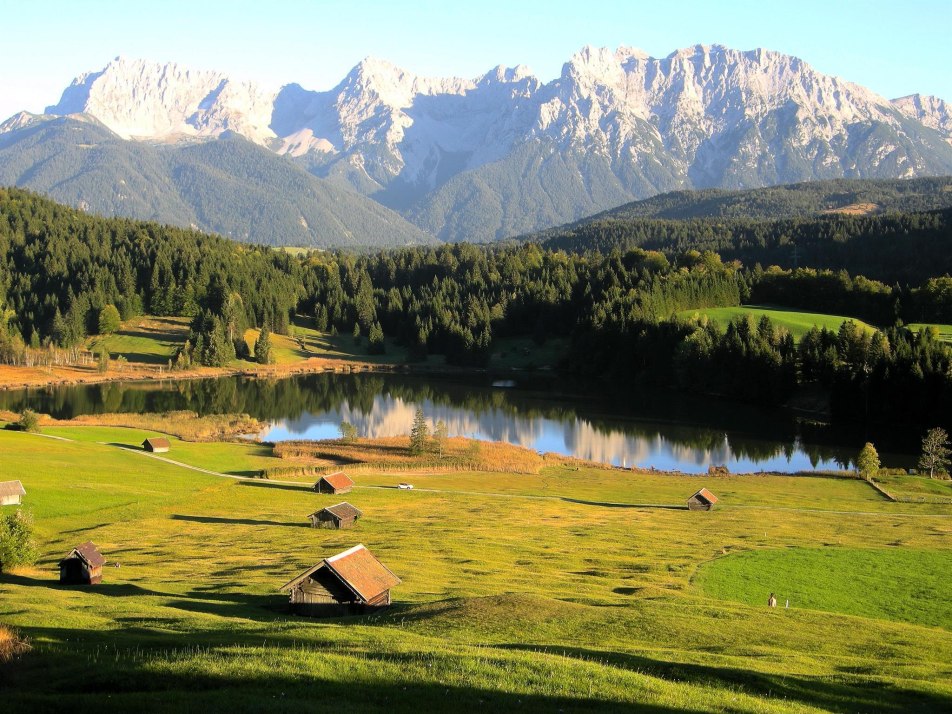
{"x": 574, "y": 589}
{"x": 797, "y": 323}
{"x": 944, "y": 331}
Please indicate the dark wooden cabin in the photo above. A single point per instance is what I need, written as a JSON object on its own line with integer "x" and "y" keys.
{"x": 334, "y": 483}
{"x": 343, "y": 515}
{"x": 351, "y": 582}
{"x": 11, "y": 493}
{"x": 82, "y": 565}
{"x": 156, "y": 445}
{"x": 703, "y": 500}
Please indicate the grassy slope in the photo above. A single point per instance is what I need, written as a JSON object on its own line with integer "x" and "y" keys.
{"x": 891, "y": 584}
{"x": 154, "y": 340}
{"x": 798, "y": 323}
{"x": 506, "y": 603}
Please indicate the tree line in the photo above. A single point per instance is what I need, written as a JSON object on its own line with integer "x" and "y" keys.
{"x": 65, "y": 274}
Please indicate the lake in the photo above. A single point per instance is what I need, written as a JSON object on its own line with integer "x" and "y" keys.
{"x": 659, "y": 430}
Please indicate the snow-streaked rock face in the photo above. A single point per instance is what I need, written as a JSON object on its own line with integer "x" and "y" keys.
{"x": 622, "y": 125}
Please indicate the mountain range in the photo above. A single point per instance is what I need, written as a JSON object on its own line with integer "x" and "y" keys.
{"x": 390, "y": 158}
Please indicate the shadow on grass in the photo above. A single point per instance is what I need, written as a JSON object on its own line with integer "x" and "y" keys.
{"x": 249, "y": 607}
{"x": 237, "y": 521}
{"x": 261, "y": 483}
{"x": 105, "y": 588}
{"x": 377, "y": 681}
{"x": 610, "y": 504}
{"x": 864, "y": 694}
{"x": 143, "y": 357}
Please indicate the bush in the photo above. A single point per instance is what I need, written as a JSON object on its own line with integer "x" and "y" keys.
{"x": 348, "y": 432}
{"x": 29, "y": 421}
{"x": 17, "y": 543}
{"x": 868, "y": 461}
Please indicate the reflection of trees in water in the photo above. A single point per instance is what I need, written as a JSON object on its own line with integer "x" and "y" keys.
{"x": 594, "y": 427}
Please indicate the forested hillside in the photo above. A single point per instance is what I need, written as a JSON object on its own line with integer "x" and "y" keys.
{"x": 62, "y": 270}
{"x": 898, "y": 247}
{"x": 232, "y": 187}
{"x": 798, "y": 200}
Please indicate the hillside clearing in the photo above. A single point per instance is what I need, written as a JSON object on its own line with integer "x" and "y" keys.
{"x": 796, "y": 322}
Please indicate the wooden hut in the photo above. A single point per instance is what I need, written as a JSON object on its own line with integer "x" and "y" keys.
{"x": 157, "y": 445}
{"x": 11, "y": 493}
{"x": 343, "y": 515}
{"x": 334, "y": 483}
{"x": 348, "y": 583}
{"x": 82, "y": 565}
{"x": 703, "y": 500}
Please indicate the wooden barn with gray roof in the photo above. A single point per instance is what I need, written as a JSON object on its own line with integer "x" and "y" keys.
{"x": 343, "y": 515}
{"x": 82, "y": 565}
{"x": 347, "y": 583}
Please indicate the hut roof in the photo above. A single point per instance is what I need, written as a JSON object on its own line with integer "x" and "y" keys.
{"x": 338, "y": 480}
{"x": 11, "y": 488}
{"x": 362, "y": 572}
{"x": 158, "y": 442}
{"x": 358, "y": 569}
{"x": 342, "y": 511}
{"x": 706, "y": 496}
{"x": 89, "y": 552}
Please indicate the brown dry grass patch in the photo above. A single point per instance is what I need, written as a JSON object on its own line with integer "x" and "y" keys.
{"x": 855, "y": 209}
{"x": 11, "y": 644}
{"x": 393, "y": 454}
{"x": 186, "y": 425}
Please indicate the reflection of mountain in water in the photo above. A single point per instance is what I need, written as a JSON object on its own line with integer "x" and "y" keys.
{"x": 652, "y": 430}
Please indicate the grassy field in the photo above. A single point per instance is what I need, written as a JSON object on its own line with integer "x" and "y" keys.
{"x": 891, "y": 584}
{"x": 530, "y": 592}
{"x": 917, "y": 488}
{"x": 798, "y": 323}
{"x": 146, "y": 340}
{"x": 945, "y": 331}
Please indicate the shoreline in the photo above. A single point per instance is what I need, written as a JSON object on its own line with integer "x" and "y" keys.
{"x": 21, "y": 378}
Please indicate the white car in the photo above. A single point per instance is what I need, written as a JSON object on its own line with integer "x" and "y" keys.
{"x": 406, "y": 486}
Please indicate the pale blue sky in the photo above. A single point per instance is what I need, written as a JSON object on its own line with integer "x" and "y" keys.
{"x": 894, "y": 48}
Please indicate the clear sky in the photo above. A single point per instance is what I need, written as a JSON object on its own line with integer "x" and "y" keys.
{"x": 893, "y": 47}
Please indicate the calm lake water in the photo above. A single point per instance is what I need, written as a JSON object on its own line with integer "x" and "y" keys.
{"x": 649, "y": 430}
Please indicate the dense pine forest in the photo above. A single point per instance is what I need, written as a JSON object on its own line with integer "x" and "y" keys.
{"x": 614, "y": 304}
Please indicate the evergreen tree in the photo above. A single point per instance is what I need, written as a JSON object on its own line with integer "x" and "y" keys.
{"x": 375, "y": 341}
{"x": 264, "y": 354}
{"x": 419, "y": 433}
{"x": 219, "y": 350}
{"x": 935, "y": 452}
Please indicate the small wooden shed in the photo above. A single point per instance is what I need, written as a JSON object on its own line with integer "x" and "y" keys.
{"x": 343, "y": 515}
{"x": 11, "y": 493}
{"x": 703, "y": 500}
{"x": 337, "y": 482}
{"x": 157, "y": 445}
{"x": 82, "y": 565}
{"x": 348, "y": 583}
